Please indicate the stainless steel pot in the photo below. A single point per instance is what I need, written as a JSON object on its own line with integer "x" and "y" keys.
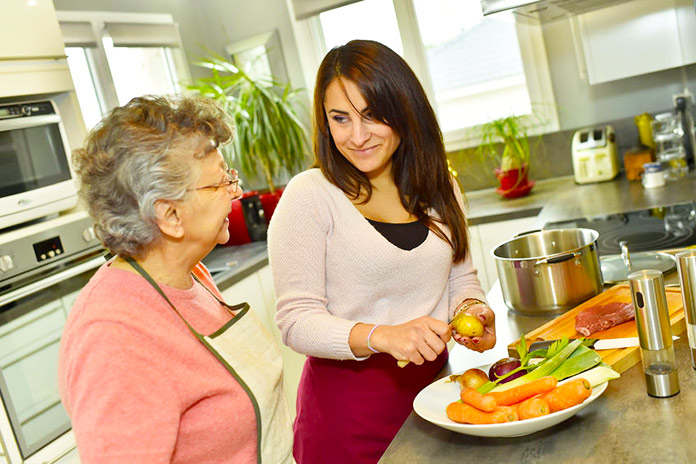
{"x": 549, "y": 271}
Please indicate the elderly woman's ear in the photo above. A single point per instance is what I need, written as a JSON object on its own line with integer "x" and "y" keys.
{"x": 169, "y": 219}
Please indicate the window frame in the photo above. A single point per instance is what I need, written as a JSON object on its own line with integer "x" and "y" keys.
{"x": 96, "y": 55}
{"x": 311, "y": 48}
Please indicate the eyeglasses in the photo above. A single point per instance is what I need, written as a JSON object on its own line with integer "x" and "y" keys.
{"x": 231, "y": 181}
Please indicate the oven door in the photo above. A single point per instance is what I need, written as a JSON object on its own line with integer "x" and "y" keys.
{"x": 35, "y": 178}
{"x": 33, "y": 154}
{"x": 32, "y": 317}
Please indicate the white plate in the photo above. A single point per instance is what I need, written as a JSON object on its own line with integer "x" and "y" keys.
{"x": 432, "y": 402}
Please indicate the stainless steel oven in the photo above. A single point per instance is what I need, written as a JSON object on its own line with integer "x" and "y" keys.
{"x": 43, "y": 266}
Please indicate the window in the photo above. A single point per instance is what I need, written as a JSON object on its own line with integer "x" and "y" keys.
{"x": 473, "y": 68}
{"x": 140, "y": 70}
{"x": 114, "y": 57}
{"x": 369, "y": 19}
{"x": 87, "y": 95}
{"x": 474, "y": 62}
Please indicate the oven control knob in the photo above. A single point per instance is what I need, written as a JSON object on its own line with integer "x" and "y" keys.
{"x": 88, "y": 234}
{"x": 6, "y": 263}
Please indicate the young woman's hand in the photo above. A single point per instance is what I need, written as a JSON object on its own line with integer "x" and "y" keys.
{"x": 485, "y": 341}
{"x": 416, "y": 341}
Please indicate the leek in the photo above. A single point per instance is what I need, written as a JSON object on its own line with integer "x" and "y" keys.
{"x": 581, "y": 360}
{"x": 600, "y": 374}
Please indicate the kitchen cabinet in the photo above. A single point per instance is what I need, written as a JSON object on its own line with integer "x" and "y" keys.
{"x": 30, "y": 30}
{"x": 257, "y": 290}
{"x": 485, "y": 237}
{"x": 637, "y": 37}
{"x": 32, "y": 57}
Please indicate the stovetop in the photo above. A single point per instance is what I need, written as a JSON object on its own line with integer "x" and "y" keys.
{"x": 651, "y": 229}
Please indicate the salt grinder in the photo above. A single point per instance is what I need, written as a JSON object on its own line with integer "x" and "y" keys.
{"x": 686, "y": 263}
{"x": 654, "y": 332}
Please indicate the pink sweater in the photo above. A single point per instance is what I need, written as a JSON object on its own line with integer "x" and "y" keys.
{"x": 333, "y": 269}
{"x": 139, "y": 387}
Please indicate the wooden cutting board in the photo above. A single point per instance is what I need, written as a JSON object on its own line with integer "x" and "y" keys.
{"x": 620, "y": 359}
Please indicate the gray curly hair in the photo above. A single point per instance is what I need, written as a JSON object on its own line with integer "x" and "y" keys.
{"x": 130, "y": 161}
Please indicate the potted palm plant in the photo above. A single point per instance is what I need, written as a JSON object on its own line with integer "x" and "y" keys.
{"x": 505, "y": 141}
{"x": 269, "y": 133}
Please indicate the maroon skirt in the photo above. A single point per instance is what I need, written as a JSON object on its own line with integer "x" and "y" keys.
{"x": 349, "y": 411}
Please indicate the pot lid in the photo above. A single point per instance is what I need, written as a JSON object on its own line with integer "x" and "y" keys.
{"x": 614, "y": 270}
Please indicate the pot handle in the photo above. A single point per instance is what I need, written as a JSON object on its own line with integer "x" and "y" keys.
{"x": 558, "y": 259}
{"x": 526, "y": 233}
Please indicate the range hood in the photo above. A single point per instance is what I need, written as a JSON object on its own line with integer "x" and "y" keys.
{"x": 546, "y": 10}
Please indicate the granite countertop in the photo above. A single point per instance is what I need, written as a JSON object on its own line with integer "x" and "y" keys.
{"x": 488, "y": 206}
{"x": 230, "y": 264}
{"x": 624, "y": 425}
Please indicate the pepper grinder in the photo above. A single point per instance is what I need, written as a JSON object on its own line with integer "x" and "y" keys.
{"x": 654, "y": 332}
{"x": 686, "y": 263}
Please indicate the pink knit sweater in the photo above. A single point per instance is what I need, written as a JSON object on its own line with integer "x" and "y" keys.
{"x": 333, "y": 269}
{"x": 139, "y": 387}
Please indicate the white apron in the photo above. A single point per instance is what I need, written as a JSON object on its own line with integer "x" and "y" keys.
{"x": 250, "y": 354}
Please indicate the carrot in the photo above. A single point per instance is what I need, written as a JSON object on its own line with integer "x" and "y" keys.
{"x": 532, "y": 407}
{"x": 524, "y": 391}
{"x": 472, "y": 397}
{"x": 567, "y": 395}
{"x": 467, "y": 414}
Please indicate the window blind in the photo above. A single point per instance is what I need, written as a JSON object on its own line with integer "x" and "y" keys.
{"x": 143, "y": 35}
{"x": 78, "y": 34}
{"x": 306, "y": 8}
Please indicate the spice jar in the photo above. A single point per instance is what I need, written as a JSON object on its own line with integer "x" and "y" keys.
{"x": 654, "y": 333}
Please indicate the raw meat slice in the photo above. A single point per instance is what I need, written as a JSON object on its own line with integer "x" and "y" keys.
{"x": 602, "y": 317}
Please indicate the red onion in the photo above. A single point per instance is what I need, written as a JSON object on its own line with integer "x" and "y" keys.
{"x": 502, "y": 367}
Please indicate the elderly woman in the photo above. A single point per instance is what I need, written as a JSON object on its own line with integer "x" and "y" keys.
{"x": 154, "y": 366}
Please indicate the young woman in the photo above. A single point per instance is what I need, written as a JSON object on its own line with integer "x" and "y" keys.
{"x": 370, "y": 257}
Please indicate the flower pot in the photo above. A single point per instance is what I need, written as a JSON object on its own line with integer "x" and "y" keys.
{"x": 514, "y": 182}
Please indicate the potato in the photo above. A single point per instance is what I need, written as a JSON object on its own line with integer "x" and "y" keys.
{"x": 467, "y": 325}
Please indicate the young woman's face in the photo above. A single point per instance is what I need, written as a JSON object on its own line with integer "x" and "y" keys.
{"x": 367, "y": 143}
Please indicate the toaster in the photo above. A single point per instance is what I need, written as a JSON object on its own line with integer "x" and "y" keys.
{"x": 594, "y": 155}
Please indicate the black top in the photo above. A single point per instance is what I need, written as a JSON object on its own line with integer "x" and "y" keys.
{"x": 406, "y": 236}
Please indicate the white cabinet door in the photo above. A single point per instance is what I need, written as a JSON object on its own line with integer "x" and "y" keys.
{"x": 686, "y": 19}
{"x": 29, "y": 30}
{"x": 631, "y": 39}
{"x": 477, "y": 257}
{"x": 250, "y": 290}
{"x": 495, "y": 233}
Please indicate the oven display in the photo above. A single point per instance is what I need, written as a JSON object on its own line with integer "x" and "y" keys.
{"x": 48, "y": 249}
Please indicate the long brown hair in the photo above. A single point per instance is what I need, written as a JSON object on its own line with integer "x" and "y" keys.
{"x": 396, "y": 98}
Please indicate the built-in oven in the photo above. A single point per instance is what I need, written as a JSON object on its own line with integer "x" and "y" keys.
{"x": 35, "y": 176}
{"x": 43, "y": 266}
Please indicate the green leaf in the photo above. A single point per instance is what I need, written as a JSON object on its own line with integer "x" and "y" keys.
{"x": 522, "y": 348}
